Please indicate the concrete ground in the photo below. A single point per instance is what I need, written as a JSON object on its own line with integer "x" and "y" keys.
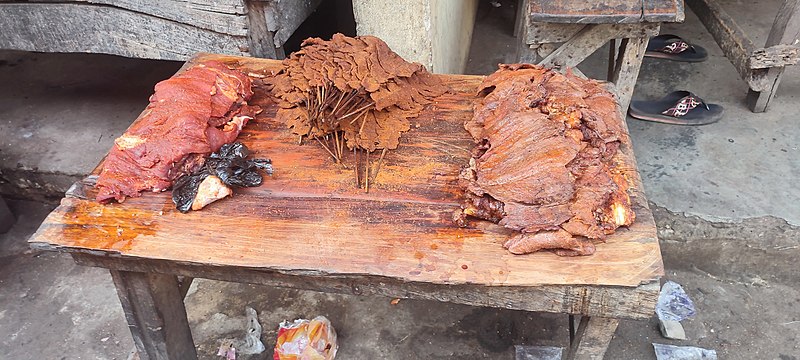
{"x": 723, "y": 195}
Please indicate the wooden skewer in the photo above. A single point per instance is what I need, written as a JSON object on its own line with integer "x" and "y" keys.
{"x": 355, "y": 157}
{"x": 360, "y": 129}
{"x": 359, "y": 116}
{"x": 378, "y": 167}
{"x": 326, "y": 148}
{"x": 359, "y": 109}
{"x": 366, "y": 177}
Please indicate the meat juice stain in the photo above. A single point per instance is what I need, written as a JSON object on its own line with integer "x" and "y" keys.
{"x": 108, "y": 227}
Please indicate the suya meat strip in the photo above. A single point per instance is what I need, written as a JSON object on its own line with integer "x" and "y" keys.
{"x": 543, "y": 163}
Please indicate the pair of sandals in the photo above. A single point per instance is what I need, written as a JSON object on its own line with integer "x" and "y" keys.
{"x": 678, "y": 107}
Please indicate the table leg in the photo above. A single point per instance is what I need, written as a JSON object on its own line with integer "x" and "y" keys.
{"x": 592, "y": 338}
{"x": 153, "y": 306}
{"x": 626, "y": 70}
{"x": 785, "y": 30}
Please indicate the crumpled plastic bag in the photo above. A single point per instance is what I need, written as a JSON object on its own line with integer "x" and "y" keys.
{"x": 306, "y": 340}
{"x": 672, "y": 352}
{"x": 673, "y": 303}
{"x": 230, "y": 165}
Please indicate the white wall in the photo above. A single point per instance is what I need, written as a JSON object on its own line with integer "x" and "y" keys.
{"x": 435, "y": 33}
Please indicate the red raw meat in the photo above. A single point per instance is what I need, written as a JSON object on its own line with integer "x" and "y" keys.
{"x": 189, "y": 116}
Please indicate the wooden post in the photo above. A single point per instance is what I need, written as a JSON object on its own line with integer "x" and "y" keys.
{"x": 785, "y": 30}
{"x": 6, "y": 217}
{"x": 156, "y": 315}
{"x": 592, "y": 338}
{"x": 261, "y": 40}
{"x": 626, "y": 71}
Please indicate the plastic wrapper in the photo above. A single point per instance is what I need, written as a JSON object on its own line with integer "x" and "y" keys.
{"x": 306, "y": 340}
{"x": 673, "y": 303}
{"x": 230, "y": 164}
{"x": 672, "y": 352}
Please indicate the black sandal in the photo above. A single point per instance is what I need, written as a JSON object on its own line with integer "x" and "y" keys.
{"x": 672, "y": 47}
{"x": 678, "y": 108}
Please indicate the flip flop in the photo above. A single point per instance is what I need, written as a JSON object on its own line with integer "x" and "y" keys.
{"x": 672, "y": 47}
{"x": 678, "y": 108}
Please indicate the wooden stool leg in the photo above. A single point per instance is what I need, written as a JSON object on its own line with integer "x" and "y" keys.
{"x": 626, "y": 70}
{"x": 785, "y": 30}
{"x": 153, "y": 306}
{"x": 592, "y": 338}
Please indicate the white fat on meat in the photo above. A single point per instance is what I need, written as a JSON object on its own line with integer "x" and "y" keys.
{"x": 210, "y": 190}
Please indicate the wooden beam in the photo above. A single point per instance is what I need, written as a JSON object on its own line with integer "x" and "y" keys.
{"x": 156, "y": 315}
{"x": 591, "y": 38}
{"x": 785, "y": 30}
{"x": 261, "y": 40}
{"x": 734, "y": 43}
{"x": 100, "y": 28}
{"x": 184, "y": 283}
{"x": 775, "y": 56}
{"x": 607, "y": 301}
{"x": 626, "y": 70}
{"x": 592, "y": 338}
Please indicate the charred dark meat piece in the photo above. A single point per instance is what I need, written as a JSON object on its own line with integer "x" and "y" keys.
{"x": 189, "y": 116}
{"x": 229, "y": 167}
{"x": 543, "y": 163}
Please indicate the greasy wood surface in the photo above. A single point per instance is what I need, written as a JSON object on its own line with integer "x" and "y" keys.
{"x": 309, "y": 219}
{"x": 605, "y": 12}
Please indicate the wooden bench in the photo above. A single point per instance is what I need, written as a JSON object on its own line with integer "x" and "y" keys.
{"x": 309, "y": 227}
{"x": 761, "y": 68}
{"x": 165, "y": 29}
{"x": 563, "y": 33}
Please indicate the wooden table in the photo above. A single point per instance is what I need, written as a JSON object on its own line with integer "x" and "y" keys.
{"x": 563, "y": 33}
{"x": 308, "y": 227}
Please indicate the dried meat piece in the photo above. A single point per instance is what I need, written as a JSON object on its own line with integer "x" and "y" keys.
{"x": 543, "y": 163}
{"x": 354, "y": 86}
{"x": 190, "y": 115}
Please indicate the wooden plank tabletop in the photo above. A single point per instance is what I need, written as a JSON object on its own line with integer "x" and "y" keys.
{"x": 309, "y": 218}
{"x": 605, "y": 12}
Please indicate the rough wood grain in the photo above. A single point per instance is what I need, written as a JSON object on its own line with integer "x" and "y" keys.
{"x": 283, "y": 17}
{"x": 222, "y": 16}
{"x": 169, "y": 29}
{"x": 308, "y": 220}
{"x": 626, "y": 70}
{"x": 774, "y": 56}
{"x": 591, "y": 38}
{"x": 544, "y": 33}
{"x": 592, "y": 338}
{"x": 605, "y": 12}
{"x": 261, "y": 40}
{"x": 604, "y": 301}
{"x": 785, "y": 30}
{"x": 156, "y": 316}
{"x": 733, "y": 41}
{"x": 72, "y": 27}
